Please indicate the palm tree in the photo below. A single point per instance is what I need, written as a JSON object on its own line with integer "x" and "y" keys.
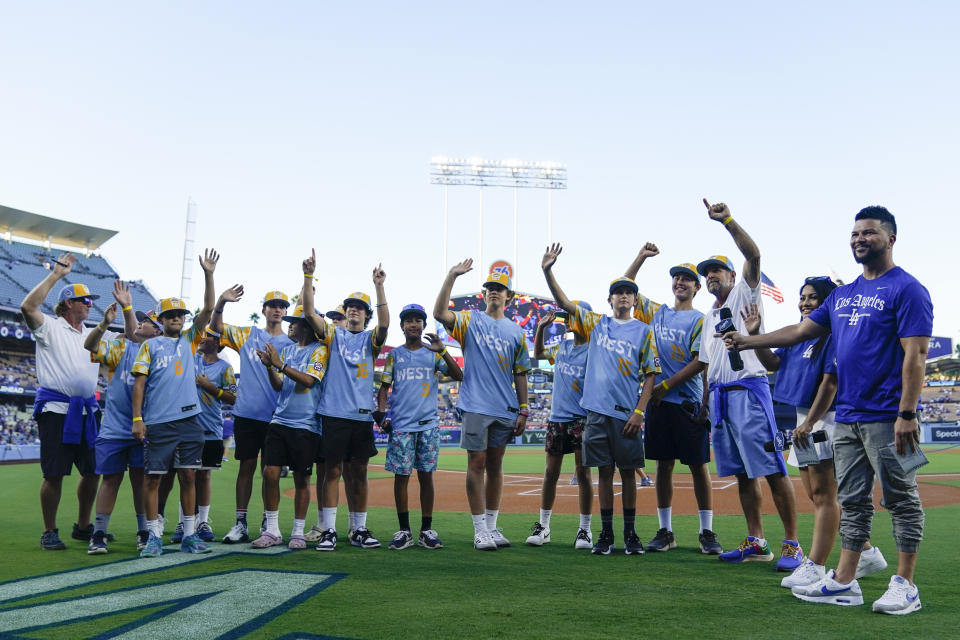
{"x": 254, "y": 318}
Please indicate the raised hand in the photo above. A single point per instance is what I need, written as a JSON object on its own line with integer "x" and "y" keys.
{"x": 63, "y": 264}
{"x": 547, "y": 318}
{"x": 110, "y": 314}
{"x": 433, "y": 342}
{"x": 718, "y": 212}
{"x": 649, "y": 250}
{"x": 550, "y": 255}
{"x": 209, "y": 259}
{"x": 379, "y": 275}
{"x": 462, "y": 267}
{"x": 233, "y": 294}
{"x": 751, "y": 318}
{"x": 310, "y": 264}
{"x": 121, "y": 293}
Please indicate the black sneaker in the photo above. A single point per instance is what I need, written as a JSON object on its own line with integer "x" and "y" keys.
{"x": 50, "y": 541}
{"x": 709, "y": 543}
{"x": 86, "y": 533}
{"x": 604, "y": 544}
{"x": 632, "y": 545}
{"x": 364, "y": 539}
{"x": 98, "y": 543}
{"x": 663, "y": 541}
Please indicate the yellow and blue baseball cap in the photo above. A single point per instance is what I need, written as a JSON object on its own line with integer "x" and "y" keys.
{"x": 358, "y": 296}
{"x": 336, "y": 314}
{"x": 172, "y": 305}
{"x": 685, "y": 268}
{"x": 624, "y": 281}
{"x": 413, "y": 310}
{"x": 75, "y": 291}
{"x": 718, "y": 260}
{"x": 149, "y": 316}
{"x": 499, "y": 277}
{"x": 297, "y": 314}
{"x": 276, "y": 296}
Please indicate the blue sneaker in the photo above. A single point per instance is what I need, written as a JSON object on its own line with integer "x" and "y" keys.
{"x": 193, "y": 544}
{"x": 50, "y": 541}
{"x": 98, "y": 543}
{"x": 748, "y": 551}
{"x": 154, "y": 547}
{"x": 205, "y": 532}
{"x": 429, "y": 540}
{"x": 177, "y": 534}
{"x": 791, "y": 556}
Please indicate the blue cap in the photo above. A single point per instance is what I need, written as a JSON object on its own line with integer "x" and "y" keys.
{"x": 624, "y": 281}
{"x": 413, "y": 310}
{"x": 686, "y": 269}
{"x": 74, "y": 291}
{"x": 720, "y": 261}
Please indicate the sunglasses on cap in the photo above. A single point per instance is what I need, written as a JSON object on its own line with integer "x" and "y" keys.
{"x": 85, "y": 300}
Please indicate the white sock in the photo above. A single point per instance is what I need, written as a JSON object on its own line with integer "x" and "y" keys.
{"x": 153, "y": 526}
{"x": 706, "y": 519}
{"x": 585, "y": 521}
{"x": 491, "y": 517}
{"x": 761, "y": 541}
{"x": 545, "y": 517}
{"x": 329, "y": 518}
{"x": 188, "y": 525}
{"x": 479, "y": 523}
{"x": 352, "y": 518}
{"x": 665, "y": 515}
{"x": 204, "y": 514}
{"x": 298, "y": 526}
{"x": 360, "y": 520}
{"x": 273, "y": 522}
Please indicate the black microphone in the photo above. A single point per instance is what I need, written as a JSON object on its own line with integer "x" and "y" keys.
{"x": 726, "y": 326}
{"x": 816, "y": 436}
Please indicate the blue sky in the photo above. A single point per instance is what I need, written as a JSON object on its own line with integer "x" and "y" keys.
{"x": 299, "y": 124}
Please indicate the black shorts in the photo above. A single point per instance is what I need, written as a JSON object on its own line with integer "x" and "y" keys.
{"x": 347, "y": 440}
{"x": 58, "y": 459}
{"x": 673, "y": 433}
{"x": 212, "y": 456}
{"x": 290, "y": 447}
{"x": 248, "y": 437}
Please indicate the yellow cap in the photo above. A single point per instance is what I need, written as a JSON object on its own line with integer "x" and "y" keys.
{"x": 358, "y": 296}
{"x": 168, "y": 305}
{"x": 270, "y": 296}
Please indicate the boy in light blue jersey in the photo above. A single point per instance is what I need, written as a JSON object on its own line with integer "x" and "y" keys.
{"x": 116, "y": 449}
{"x": 294, "y": 433}
{"x": 493, "y": 397}
{"x": 565, "y": 429}
{"x": 676, "y": 424}
{"x": 346, "y": 403}
{"x": 256, "y": 399}
{"x": 411, "y": 372}
{"x": 165, "y": 405}
{"x": 622, "y": 356}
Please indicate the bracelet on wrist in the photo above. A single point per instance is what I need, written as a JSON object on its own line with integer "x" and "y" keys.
{"x": 219, "y": 393}
{"x": 638, "y": 412}
{"x": 524, "y": 405}
{"x": 381, "y": 304}
{"x": 308, "y": 275}
{"x": 137, "y": 419}
{"x": 126, "y": 308}
{"x": 727, "y": 220}
{"x": 665, "y": 386}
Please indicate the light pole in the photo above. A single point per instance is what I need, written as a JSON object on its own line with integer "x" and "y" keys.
{"x": 518, "y": 174}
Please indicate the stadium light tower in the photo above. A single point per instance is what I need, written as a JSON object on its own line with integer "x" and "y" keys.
{"x": 518, "y": 174}
{"x": 189, "y": 236}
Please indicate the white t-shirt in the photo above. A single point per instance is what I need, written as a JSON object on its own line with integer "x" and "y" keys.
{"x": 62, "y": 363}
{"x": 714, "y": 352}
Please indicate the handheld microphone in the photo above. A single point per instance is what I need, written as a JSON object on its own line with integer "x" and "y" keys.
{"x": 726, "y": 326}
{"x": 816, "y": 436}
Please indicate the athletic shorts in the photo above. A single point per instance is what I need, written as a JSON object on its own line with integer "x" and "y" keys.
{"x": 212, "y": 457}
{"x": 825, "y": 448}
{"x": 248, "y": 437}
{"x": 117, "y": 455}
{"x": 604, "y": 443}
{"x": 479, "y": 432}
{"x": 564, "y": 437}
{"x": 413, "y": 450}
{"x": 739, "y": 438}
{"x": 344, "y": 439}
{"x": 177, "y": 444}
{"x": 672, "y": 432}
{"x": 58, "y": 459}
{"x": 290, "y": 447}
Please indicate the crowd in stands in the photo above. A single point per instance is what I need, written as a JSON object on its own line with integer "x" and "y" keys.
{"x": 940, "y": 404}
{"x": 18, "y": 426}
{"x": 18, "y": 370}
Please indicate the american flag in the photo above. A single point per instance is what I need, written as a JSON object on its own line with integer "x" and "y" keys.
{"x": 767, "y": 288}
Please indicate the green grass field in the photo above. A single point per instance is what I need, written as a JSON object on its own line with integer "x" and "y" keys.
{"x": 456, "y": 592}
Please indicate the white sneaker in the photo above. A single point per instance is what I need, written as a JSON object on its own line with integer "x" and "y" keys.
{"x": 540, "y": 535}
{"x": 829, "y": 591}
{"x": 498, "y": 539}
{"x": 314, "y": 534}
{"x": 871, "y": 561}
{"x": 237, "y": 534}
{"x": 807, "y": 573}
{"x": 483, "y": 541}
{"x": 584, "y": 540}
{"x": 899, "y": 599}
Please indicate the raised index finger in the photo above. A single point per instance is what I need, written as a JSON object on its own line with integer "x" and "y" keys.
{"x": 706, "y": 204}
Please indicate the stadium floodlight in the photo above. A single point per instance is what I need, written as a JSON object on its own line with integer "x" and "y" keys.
{"x": 479, "y": 172}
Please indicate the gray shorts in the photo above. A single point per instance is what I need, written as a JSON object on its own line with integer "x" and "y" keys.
{"x": 604, "y": 443}
{"x": 479, "y": 432}
{"x": 177, "y": 444}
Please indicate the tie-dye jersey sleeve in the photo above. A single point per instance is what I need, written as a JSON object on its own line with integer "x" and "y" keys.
{"x": 317, "y": 366}
{"x": 552, "y": 353}
{"x": 648, "y": 354}
{"x": 109, "y": 352}
{"x": 696, "y": 335}
{"x": 441, "y": 365}
{"x": 387, "y": 376}
{"x": 228, "y": 380}
{"x": 645, "y": 309}
{"x": 195, "y": 335}
{"x": 459, "y": 331}
{"x": 521, "y": 358}
{"x": 583, "y": 322}
{"x": 374, "y": 345}
{"x": 141, "y": 365}
{"x": 234, "y": 337}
